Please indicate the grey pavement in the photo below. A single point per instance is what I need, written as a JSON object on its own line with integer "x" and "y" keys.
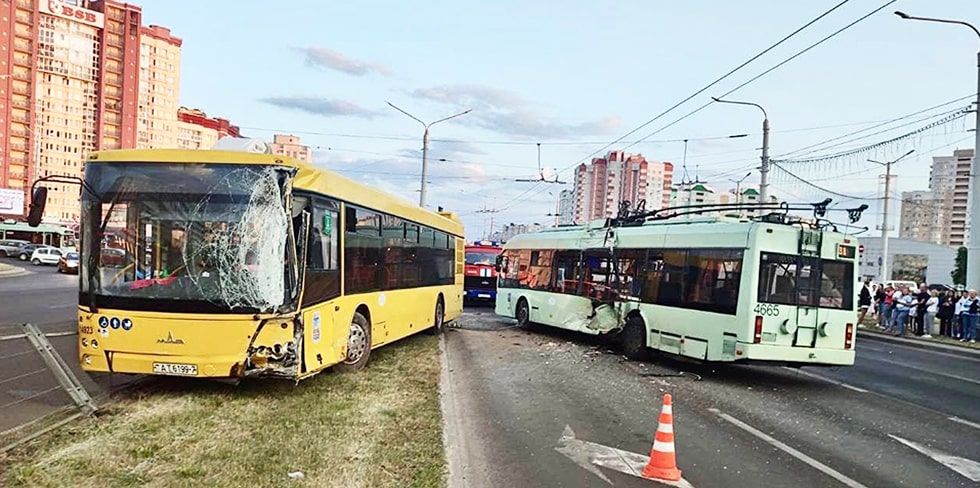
{"x": 517, "y": 390}
{"x": 28, "y": 390}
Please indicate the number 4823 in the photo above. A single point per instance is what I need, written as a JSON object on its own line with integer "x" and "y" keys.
{"x": 767, "y": 309}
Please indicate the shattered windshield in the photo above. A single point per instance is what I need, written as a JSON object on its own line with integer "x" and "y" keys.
{"x": 194, "y": 236}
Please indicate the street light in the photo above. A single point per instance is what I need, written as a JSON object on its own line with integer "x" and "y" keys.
{"x": 425, "y": 145}
{"x": 885, "y": 276}
{"x": 764, "y": 168}
{"x": 973, "y": 246}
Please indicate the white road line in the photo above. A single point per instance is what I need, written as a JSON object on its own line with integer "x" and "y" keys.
{"x": 966, "y": 467}
{"x": 965, "y": 422}
{"x": 828, "y": 380}
{"x": 823, "y": 468}
{"x": 930, "y": 371}
{"x": 864, "y": 345}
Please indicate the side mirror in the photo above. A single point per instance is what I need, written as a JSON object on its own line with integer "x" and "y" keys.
{"x": 36, "y": 210}
{"x": 499, "y": 264}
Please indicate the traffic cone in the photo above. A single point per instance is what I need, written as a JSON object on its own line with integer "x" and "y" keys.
{"x": 663, "y": 463}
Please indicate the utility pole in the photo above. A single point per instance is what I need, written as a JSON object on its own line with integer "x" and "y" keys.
{"x": 764, "y": 167}
{"x": 425, "y": 145}
{"x": 490, "y": 211}
{"x": 738, "y": 191}
{"x": 885, "y": 275}
{"x": 973, "y": 217}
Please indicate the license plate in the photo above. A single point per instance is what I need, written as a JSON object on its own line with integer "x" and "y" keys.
{"x": 175, "y": 369}
{"x": 483, "y": 295}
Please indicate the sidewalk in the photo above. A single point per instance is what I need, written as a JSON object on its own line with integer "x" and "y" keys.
{"x": 940, "y": 343}
{"x": 8, "y": 271}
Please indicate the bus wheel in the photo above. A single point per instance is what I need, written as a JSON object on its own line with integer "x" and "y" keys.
{"x": 358, "y": 345}
{"x": 522, "y": 314}
{"x": 633, "y": 339}
{"x": 439, "y": 319}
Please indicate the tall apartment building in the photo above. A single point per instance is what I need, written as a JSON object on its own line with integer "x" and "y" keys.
{"x": 603, "y": 184}
{"x": 566, "y": 207}
{"x": 510, "y": 230}
{"x": 69, "y": 85}
{"x": 941, "y": 214}
{"x": 159, "y": 88}
{"x": 195, "y": 130}
{"x": 289, "y": 145}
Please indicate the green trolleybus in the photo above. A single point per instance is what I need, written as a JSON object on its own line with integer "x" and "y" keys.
{"x": 712, "y": 288}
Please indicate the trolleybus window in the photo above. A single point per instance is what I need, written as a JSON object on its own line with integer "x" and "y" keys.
{"x": 799, "y": 280}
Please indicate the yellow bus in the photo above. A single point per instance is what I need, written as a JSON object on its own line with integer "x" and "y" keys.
{"x": 233, "y": 264}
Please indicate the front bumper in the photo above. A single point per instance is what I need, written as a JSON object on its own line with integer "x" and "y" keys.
{"x": 478, "y": 294}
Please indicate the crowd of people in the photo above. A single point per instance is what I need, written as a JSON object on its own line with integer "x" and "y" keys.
{"x": 906, "y": 309}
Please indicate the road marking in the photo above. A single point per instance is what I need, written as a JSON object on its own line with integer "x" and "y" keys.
{"x": 589, "y": 455}
{"x": 863, "y": 345}
{"x": 930, "y": 371}
{"x": 963, "y": 466}
{"x": 828, "y": 380}
{"x": 823, "y": 468}
{"x": 965, "y": 422}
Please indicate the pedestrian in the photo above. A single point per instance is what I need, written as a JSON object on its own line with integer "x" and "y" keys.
{"x": 886, "y": 303}
{"x": 921, "y": 302}
{"x": 904, "y": 303}
{"x": 864, "y": 301}
{"x": 960, "y": 319}
{"x": 971, "y": 313}
{"x": 947, "y": 307}
{"x": 932, "y": 309}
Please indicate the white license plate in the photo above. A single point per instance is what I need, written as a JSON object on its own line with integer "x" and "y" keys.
{"x": 483, "y": 295}
{"x": 175, "y": 369}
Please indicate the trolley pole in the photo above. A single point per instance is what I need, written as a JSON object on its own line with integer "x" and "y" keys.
{"x": 973, "y": 217}
{"x": 885, "y": 275}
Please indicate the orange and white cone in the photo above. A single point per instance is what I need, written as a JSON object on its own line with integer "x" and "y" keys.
{"x": 663, "y": 463}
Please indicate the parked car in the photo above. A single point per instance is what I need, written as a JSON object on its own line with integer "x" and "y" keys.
{"x": 27, "y": 250}
{"x": 45, "y": 255}
{"x": 940, "y": 287}
{"x": 898, "y": 283}
{"x": 111, "y": 257}
{"x": 68, "y": 263}
{"x": 10, "y": 247}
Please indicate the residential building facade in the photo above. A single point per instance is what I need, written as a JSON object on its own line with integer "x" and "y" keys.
{"x": 566, "y": 207}
{"x": 195, "y": 130}
{"x": 510, "y": 230}
{"x": 69, "y": 85}
{"x": 289, "y": 145}
{"x": 159, "y": 88}
{"x": 940, "y": 215}
{"x": 601, "y": 185}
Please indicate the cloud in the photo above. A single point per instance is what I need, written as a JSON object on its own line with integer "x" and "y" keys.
{"x": 321, "y": 106}
{"x": 326, "y": 58}
{"x": 508, "y": 113}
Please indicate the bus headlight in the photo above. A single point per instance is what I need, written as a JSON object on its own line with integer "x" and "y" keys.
{"x": 95, "y": 344}
{"x": 84, "y": 342}
{"x": 86, "y": 359}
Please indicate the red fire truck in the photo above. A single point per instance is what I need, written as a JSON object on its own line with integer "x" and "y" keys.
{"x": 480, "y": 281}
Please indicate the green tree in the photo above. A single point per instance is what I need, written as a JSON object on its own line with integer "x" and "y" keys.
{"x": 959, "y": 269}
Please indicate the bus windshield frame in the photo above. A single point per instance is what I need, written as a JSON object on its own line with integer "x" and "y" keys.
{"x": 204, "y": 238}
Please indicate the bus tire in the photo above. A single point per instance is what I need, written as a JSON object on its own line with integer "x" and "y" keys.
{"x": 633, "y": 340}
{"x": 358, "y": 345}
{"x": 522, "y": 312}
{"x": 439, "y": 318}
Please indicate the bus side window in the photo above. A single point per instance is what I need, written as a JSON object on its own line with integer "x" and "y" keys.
{"x": 322, "y": 255}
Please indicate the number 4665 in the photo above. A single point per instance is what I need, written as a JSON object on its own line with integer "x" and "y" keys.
{"x": 767, "y": 309}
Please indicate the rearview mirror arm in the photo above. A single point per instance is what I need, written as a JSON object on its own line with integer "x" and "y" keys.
{"x": 66, "y": 179}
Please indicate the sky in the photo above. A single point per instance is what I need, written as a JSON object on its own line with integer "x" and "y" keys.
{"x": 574, "y": 76}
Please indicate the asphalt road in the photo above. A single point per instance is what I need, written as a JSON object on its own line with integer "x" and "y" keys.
{"x": 513, "y": 392}
{"x": 28, "y": 390}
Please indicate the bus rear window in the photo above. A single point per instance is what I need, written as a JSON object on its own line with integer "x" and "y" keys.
{"x": 797, "y": 280}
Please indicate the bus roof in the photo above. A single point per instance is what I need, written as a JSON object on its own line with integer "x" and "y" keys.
{"x": 308, "y": 177}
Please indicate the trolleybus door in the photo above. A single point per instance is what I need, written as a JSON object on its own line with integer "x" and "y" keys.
{"x": 808, "y": 290}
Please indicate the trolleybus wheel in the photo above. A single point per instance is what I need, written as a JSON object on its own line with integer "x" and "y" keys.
{"x": 439, "y": 320}
{"x": 633, "y": 339}
{"x": 522, "y": 314}
{"x": 358, "y": 345}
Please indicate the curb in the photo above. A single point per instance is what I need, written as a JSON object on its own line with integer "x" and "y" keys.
{"x": 13, "y": 272}
{"x": 920, "y": 343}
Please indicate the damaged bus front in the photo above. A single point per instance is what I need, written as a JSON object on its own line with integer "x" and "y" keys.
{"x": 188, "y": 269}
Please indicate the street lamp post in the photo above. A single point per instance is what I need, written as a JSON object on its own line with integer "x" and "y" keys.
{"x": 885, "y": 276}
{"x": 973, "y": 246}
{"x": 738, "y": 190}
{"x": 764, "y": 168}
{"x": 425, "y": 144}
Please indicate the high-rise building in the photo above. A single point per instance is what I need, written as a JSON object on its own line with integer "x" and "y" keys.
{"x": 603, "y": 184}
{"x": 941, "y": 214}
{"x": 510, "y": 230}
{"x": 195, "y": 130}
{"x": 289, "y": 145}
{"x": 69, "y": 85}
{"x": 566, "y": 207}
{"x": 159, "y": 88}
